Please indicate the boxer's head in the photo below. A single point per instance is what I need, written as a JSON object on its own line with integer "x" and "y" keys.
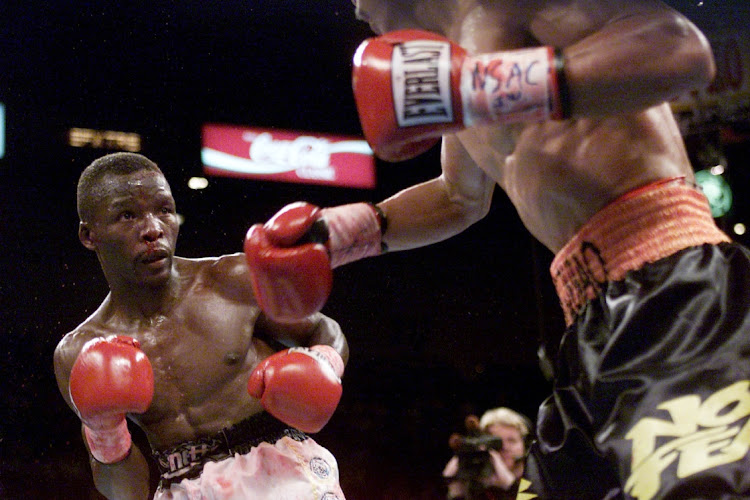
{"x": 128, "y": 218}
{"x": 91, "y": 185}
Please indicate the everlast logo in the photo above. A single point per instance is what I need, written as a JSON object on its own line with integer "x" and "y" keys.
{"x": 421, "y": 83}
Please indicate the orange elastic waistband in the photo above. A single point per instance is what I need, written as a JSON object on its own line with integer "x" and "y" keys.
{"x": 644, "y": 225}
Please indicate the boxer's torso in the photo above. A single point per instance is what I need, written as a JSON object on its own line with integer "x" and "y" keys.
{"x": 202, "y": 348}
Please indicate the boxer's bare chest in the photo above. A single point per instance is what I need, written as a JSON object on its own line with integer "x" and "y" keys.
{"x": 201, "y": 351}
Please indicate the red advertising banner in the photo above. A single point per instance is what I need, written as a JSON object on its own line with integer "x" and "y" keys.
{"x": 287, "y": 156}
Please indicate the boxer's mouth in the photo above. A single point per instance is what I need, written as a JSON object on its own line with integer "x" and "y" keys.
{"x": 155, "y": 255}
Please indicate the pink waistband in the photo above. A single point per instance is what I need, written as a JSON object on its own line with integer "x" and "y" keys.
{"x": 644, "y": 225}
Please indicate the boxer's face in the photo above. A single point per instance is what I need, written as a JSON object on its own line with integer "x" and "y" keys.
{"x": 134, "y": 228}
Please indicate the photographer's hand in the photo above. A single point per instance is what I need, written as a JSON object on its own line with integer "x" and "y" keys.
{"x": 503, "y": 477}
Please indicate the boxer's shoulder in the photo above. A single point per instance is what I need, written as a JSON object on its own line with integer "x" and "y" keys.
{"x": 211, "y": 267}
{"x": 90, "y": 329}
{"x": 70, "y": 346}
{"x": 223, "y": 275}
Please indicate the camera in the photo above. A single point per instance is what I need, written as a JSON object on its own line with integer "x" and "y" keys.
{"x": 473, "y": 455}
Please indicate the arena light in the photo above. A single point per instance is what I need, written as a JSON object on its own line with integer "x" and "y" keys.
{"x": 739, "y": 229}
{"x": 287, "y": 156}
{"x": 104, "y": 139}
{"x": 198, "y": 183}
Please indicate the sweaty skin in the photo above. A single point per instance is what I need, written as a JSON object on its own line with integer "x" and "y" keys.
{"x": 557, "y": 173}
{"x": 196, "y": 319}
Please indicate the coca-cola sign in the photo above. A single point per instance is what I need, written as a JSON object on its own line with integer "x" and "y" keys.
{"x": 287, "y": 156}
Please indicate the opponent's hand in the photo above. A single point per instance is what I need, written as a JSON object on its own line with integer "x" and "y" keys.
{"x": 413, "y": 86}
{"x": 299, "y": 386}
{"x": 291, "y": 256}
{"x": 110, "y": 377}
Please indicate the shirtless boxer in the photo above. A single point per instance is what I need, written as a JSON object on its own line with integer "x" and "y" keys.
{"x": 651, "y": 393}
{"x": 179, "y": 345}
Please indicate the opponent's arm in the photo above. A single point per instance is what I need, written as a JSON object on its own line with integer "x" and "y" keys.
{"x": 625, "y": 55}
{"x": 595, "y": 58}
{"x": 104, "y": 428}
{"x": 291, "y": 256}
{"x": 443, "y": 207}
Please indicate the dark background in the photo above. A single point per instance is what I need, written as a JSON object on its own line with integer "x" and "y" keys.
{"x": 435, "y": 334}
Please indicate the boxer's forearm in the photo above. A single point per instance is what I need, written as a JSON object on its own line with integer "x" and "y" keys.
{"x": 124, "y": 480}
{"x": 428, "y": 213}
{"x": 328, "y": 332}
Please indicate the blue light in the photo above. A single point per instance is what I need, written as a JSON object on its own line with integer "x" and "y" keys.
{"x": 2, "y": 130}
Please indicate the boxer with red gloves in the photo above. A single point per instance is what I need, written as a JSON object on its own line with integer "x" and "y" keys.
{"x": 180, "y": 348}
{"x": 565, "y": 106}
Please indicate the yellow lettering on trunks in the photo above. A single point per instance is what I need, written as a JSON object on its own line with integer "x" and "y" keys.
{"x": 699, "y": 436}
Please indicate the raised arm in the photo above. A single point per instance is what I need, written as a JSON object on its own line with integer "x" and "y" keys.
{"x": 624, "y": 55}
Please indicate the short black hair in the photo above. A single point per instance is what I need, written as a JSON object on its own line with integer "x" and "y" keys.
{"x": 115, "y": 163}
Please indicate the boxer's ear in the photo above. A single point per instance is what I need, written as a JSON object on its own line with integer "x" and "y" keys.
{"x": 86, "y": 236}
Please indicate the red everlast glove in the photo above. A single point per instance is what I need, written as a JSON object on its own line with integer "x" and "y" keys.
{"x": 412, "y": 87}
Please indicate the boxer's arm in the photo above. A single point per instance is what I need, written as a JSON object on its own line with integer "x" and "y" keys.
{"x": 317, "y": 329}
{"x": 625, "y": 55}
{"x": 127, "y": 479}
{"x": 442, "y": 207}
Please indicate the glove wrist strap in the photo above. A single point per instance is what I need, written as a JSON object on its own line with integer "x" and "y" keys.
{"x": 331, "y": 356}
{"x": 525, "y": 85}
{"x": 109, "y": 446}
{"x": 355, "y": 232}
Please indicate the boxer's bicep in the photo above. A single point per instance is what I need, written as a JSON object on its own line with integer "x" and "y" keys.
{"x": 317, "y": 329}
{"x": 623, "y": 56}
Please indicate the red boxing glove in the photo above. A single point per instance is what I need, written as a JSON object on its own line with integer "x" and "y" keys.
{"x": 291, "y": 256}
{"x": 110, "y": 377}
{"x": 413, "y": 86}
{"x": 299, "y": 386}
{"x": 290, "y": 272}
